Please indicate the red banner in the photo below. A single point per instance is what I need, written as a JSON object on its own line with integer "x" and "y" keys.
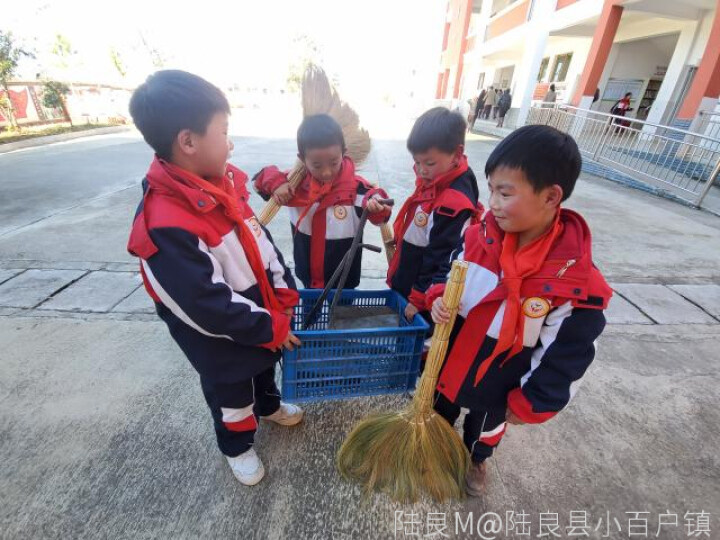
{"x": 19, "y": 101}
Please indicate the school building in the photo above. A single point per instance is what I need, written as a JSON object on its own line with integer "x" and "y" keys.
{"x": 666, "y": 52}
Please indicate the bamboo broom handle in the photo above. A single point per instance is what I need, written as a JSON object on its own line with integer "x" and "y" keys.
{"x": 271, "y": 208}
{"x": 438, "y": 348}
{"x": 387, "y": 237}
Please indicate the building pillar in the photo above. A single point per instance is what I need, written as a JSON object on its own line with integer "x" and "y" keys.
{"x": 438, "y": 90}
{"x": 679, "y": 59}
{"x": 599, "y": 51}
{"x": 443, "y": 89}
{"x": 525, "y": 74}
{"x": 705, "y": 88}
{"x": 468, "y": 5}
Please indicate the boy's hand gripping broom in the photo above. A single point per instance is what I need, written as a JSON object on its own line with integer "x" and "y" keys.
{"x": 415, "y": 450}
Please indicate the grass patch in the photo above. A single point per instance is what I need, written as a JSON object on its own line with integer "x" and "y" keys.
{"x": 31, "y": 133}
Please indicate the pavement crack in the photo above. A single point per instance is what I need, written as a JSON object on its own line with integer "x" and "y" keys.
{"x": 695, "y": 304}
{"x": 635, "y": 306}
{"x": 61, "y": 289}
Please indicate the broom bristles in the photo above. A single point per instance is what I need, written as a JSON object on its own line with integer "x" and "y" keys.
{"x": 416, "y": 450}
{"x": 404, "y": 455}
{"x": 319, "y": 97}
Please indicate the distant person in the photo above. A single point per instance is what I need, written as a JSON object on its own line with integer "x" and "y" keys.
{"x": 472, "y": 112}
{"x": 479, "y": 106}
{"x": 503, "y": 106}
{"x": 621, "y": 108}
{"x": 490, "y": 102}
{"x": 550, "y": 97}
{"x": 216, "y": 277}
{"x": 498, "y": 94}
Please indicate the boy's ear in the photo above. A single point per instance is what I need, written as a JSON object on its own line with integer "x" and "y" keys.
{"x": 554, "y": 195}
{"x": 186, "y": 142}
{"x": 458, "y": 154}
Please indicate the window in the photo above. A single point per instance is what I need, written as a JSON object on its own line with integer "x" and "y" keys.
{"x": 543, "y": 69}
{"x": 560, "y": 67}
{"x": 499, "y": 5}
{"x": 481, "y": 81}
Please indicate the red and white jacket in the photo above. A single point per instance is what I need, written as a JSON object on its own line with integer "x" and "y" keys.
{"x": 195, "y": 269}
{"x": 563, "y": 306}
{"x": 328, "y": 225}
{"x": 438, "y": 214}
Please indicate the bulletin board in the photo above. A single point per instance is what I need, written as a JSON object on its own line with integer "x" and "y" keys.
{"x": 615, "y": 89}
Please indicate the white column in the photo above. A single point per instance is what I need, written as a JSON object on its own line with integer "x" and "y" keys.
{"x": 672, "y": 76}
{"x": 580, "y": 52}
{"x": 534, "y": 51}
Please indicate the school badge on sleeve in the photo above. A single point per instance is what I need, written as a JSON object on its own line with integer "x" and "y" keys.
{"x": 340, "y": 212}
{"x": 421, "y": 219}
{"x": 535, "y": 307}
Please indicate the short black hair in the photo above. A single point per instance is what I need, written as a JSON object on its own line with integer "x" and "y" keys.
{"x": 544, "y": 154}
{"x": 438, "y": 128}
{"x": 170, "y": 101}
{"x": 319, "y": 131}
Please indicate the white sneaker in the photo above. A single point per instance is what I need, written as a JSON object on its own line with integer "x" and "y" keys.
{"x": 247, "y": 467}
{"x": 287, "y": 415}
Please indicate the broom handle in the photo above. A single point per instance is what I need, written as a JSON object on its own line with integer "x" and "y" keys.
{"x": 423, "y": 399}
{"x": 271, "y": 208}
{"x": 387, "y": 237}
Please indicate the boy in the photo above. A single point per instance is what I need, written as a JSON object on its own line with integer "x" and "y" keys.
{"x": 429, "y": 225}
{"x": 216, "y": 278}
{"x": 325, "y": 208}
{"x": 532, "y": 305}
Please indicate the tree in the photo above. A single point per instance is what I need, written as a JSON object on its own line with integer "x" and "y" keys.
{"x": 54, "y": 97}
{"x": 305, "y": 51}
{"x": 10, "y": 55}
{"x": 118, "y": 62}
{"x": 156, "y": 56}
{"x": 62, "y": 51}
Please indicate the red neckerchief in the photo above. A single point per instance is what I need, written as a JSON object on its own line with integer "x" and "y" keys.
{"x": 516, "y": 265}
{"x": 316, "y": 191}
{"x": 424, "y": 191}
{"x": 225, "y": 196}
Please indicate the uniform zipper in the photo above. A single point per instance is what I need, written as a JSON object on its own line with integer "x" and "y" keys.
{"x": 564, "y": 269}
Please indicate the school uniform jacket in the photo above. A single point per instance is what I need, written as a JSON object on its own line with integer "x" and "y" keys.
{"x": 195, "y": 269}
{"x": 329, "y": 225}
{"x": 443, "y": 213}
{"x": 563, "y": 307}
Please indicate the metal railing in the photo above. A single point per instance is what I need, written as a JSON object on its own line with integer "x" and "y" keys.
{"x": 709, "y": 124}
{"x": 682, "y": 163}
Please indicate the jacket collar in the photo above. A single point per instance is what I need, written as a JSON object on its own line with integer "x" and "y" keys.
{"x": 572, "y": 250}
{"x": 425, "y": 191}
{"x": 160, "y": 180}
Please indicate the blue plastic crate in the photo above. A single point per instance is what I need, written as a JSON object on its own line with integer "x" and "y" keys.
{"x": 338, "y": 364}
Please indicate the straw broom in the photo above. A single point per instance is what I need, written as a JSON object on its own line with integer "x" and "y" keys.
{"x": 319, "y": 97}
{"x": 415, "y": 450}
{"x": 386, "y": 233}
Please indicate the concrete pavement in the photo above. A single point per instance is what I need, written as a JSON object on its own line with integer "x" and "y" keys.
{"x": 105, "y": 432}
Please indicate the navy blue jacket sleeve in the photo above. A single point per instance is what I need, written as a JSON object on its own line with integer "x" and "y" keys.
{"x": 187, "y": 279}
{"x": 565, "y": 350}
{"x": 445, "y": 237}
